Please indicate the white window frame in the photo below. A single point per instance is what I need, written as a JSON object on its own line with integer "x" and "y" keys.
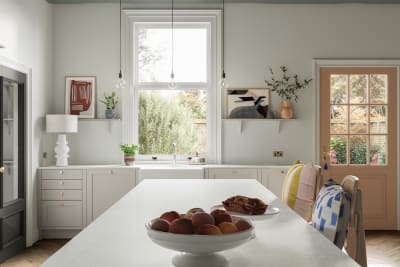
{"x": 211, "y": 18}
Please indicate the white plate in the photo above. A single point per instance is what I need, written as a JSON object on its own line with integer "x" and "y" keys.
{"x": 270, "y": 211}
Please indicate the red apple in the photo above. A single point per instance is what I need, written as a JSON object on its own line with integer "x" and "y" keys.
{"x": 170, "y": 216}
{"x": 181, "y": 226}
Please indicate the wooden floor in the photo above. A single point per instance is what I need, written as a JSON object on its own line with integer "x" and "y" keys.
{"x": 383, "y": 250}
{"x": 35, "y": 255}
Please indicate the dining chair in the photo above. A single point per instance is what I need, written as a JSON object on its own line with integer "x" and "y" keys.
{"x": 300, "y": 188}
{"x": 355, "y": 243}
{"x": 337, "y": 214}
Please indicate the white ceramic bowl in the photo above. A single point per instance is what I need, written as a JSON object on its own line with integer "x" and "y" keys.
{"x": 200, "y": 249}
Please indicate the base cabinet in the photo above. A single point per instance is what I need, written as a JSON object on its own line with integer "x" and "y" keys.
{"x": 62, "y": 214}
{"x": 273, "y": 178}
{"x": 105, "y": 187}
{"x": 233, "y": 173}
{"x": 72, "y": 197}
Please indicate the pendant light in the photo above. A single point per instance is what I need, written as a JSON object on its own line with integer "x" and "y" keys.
{"x": 223, "y": 82}
{"x": 172, "y": 84}
{"x": 120, "y": 83}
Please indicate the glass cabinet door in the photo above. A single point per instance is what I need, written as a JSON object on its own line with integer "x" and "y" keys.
{"x": 10, "y": 142}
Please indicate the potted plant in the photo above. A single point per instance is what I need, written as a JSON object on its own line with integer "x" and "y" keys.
{"x": 111, "y": 102}
{"x": 287, "y": 87}
{"x": 129, "y": 153}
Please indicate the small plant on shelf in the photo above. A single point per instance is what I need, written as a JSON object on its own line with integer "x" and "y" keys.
{"x": 129, "y": 153}
{"x": 287, "y": 87}
{"x": 111, "y": 102}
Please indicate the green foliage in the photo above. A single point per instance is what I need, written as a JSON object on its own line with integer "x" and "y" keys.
{"x": 110, "y": 101}
{"x": 358, "y": 151}
{"x": 339, "y": 146}
{"x": 288, "y": 86}
{"x": 163, "y": 121}
{"x": 195, "y": 101}
{"x": 129, "y": 150}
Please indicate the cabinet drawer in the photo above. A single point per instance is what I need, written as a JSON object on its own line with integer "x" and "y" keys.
{"x": 62, "y": 214}
{"x": 61, "y": 194}
{"x": 62, "y": 184}
{"x": 62, "y": 174}
{"x": 235, "y": 173}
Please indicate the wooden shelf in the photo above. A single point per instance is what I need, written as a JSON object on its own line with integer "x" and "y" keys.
{"x": 242, "y": 123}
{"x": 98, "y": 120}
{"x": 109, "y": 121}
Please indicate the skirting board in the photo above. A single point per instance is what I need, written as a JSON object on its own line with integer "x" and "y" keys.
{"x": 58, "y": 234}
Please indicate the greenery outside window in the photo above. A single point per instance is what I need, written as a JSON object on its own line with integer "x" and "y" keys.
{"x": 185, "y": 116}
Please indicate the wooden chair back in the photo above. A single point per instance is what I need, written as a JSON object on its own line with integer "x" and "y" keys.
{"x": 355, "y": 245}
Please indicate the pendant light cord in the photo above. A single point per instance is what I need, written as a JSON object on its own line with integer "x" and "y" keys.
{"x": 223, "y": 39}
{"x": 120, "y": 39}
{"x": 172, "y": 40}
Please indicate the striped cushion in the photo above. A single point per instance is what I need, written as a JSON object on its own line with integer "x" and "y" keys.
{"x": 299, "y": 188}
{"x": 331, "y": 213}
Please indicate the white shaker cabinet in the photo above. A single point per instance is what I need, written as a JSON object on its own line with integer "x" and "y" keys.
{"x": 273, "y": 178}
{"x": 105, "y": 187}
{"x": 233, "y": 173}
{"x": 62, "y": 201}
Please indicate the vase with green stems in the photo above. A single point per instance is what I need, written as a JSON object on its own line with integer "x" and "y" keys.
{"x": 111, "y": 102}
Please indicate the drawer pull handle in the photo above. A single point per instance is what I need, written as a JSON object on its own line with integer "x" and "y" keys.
{"x": 61, "y": 172}
{"x": 61, "y": 193}
{"x": 61, "y": 182}
{"x": 62, "y": 205}
{"x": 111, "y": 171}
{"x": 234, "y": 172}
{"x": 282, "y": 172}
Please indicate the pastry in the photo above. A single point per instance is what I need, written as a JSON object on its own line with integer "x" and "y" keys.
{"x": 245, "y": 205}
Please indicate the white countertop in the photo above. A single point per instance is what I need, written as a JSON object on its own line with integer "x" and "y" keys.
{"x": 163, "y": 166}
{"x": 118, "y": 237}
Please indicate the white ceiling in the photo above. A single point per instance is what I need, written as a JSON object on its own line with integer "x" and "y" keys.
{"x": 229, "y": 1}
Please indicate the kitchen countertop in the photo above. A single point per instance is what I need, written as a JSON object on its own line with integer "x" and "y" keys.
{"x": 118, "y": 237}
{"x": 161, "y": 166}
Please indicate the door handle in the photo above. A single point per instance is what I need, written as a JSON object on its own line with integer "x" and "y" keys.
{"x": 1, "y": 169}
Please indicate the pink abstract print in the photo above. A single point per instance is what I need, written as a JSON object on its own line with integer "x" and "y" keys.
{"x": 80, "y": 96}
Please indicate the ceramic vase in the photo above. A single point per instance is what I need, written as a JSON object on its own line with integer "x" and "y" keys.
{"x": 286, "y": 109}
{"x": 111, "y": 113}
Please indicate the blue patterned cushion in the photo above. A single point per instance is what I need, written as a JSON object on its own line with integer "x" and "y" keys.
{"x": 331, "y": 212}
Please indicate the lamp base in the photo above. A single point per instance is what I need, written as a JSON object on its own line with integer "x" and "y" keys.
{"x": 61, "y": 151}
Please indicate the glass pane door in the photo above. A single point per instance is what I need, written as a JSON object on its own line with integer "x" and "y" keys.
{"x": 10, "y": 142}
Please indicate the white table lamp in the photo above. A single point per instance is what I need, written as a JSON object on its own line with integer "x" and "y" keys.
{"x": 61, "y": 124}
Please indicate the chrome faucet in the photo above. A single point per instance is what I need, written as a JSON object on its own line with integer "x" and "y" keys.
{"x": 174, "y": 153}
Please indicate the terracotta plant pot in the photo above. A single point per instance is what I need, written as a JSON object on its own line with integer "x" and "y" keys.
{"x": 129, "y": 160}
{"x": 286, "y": 109}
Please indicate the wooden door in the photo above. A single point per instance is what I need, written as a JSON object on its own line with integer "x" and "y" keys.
{"x": 358, "y": 135}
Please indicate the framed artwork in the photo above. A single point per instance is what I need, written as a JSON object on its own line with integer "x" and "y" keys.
{"x": 80, "y": 96}
{"x": 248, "y": 103}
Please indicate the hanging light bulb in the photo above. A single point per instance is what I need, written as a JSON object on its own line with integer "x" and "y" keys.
{"x": 172, "y": 84}
{"x": 223, "y": 83}
{"x": 120, "y": 83}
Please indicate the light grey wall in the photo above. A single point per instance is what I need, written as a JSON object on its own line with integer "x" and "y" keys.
{"x": 26, "y": 32}
{"x": 86, "y": 43}
{"x": 257, "y": 36}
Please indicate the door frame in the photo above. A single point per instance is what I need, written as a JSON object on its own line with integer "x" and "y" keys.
{"x": 31, "y": 227}
{"x": 317, "y": 64}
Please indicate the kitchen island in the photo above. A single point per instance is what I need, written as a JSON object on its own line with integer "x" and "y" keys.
{"x": 118, "y": 237}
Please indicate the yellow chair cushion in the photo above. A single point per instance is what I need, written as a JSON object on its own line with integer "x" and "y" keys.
{"x": 291, "y": 185}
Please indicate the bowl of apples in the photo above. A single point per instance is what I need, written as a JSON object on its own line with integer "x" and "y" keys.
{"x": 199, "y": 235}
